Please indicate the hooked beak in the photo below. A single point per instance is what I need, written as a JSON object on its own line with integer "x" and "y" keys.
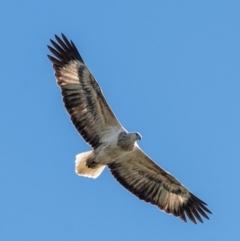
{"x": 139, "y": 136}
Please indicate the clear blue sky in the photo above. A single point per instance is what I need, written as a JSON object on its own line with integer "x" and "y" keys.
{"x": 169, "y": 69}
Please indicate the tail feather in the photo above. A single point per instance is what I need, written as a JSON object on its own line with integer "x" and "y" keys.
{"x": 81, "y": 165}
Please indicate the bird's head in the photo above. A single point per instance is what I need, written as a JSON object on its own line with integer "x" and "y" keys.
{"x": 132, "y": 137}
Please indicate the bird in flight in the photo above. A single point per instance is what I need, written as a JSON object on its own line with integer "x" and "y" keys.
{"x": 112, "y": 145}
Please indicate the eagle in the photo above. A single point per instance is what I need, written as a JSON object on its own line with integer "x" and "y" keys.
{"x": 112, "y": 145}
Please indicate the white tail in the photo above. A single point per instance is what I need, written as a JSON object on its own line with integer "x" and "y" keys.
{"x": 82, "y": 169}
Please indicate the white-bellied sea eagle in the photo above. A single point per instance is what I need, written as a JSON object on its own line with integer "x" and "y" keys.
{"x": 112, "y": 145}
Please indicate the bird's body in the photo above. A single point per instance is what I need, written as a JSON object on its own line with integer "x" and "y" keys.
{"x": 115, "y": 148}
{"x": 112, "y": 145}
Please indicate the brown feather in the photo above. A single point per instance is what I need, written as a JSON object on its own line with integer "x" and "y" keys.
{"x": 145, "y": 179}
{"x": 81, "y": 93}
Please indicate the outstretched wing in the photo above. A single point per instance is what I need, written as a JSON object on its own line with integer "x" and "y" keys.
{"x": 82, "y": 96}
{"x": 145, "y": 179}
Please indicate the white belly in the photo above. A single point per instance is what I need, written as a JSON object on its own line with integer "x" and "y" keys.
{"x": 110, "y": 152}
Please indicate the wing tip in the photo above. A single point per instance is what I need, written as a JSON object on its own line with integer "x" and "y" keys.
{"x": 64, "y": 49}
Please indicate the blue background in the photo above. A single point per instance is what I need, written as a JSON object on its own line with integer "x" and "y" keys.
{"x": 169, "y": 69}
